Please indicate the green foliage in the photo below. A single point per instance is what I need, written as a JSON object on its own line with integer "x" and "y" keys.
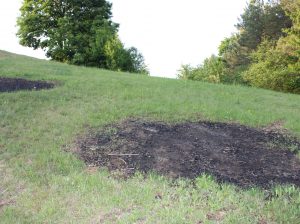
{"x": 272, "y": 70}
{"x": 290, "y": 44}
{"x": 77, "y": 32}
{"x": 214, "y": 69}
{"x": 186, "y": 72}
{"x": 261, "y": 20}
{"x": 251, "y": 24}
{"x": 63, "y": 28}
{"x": 137, "y": 64}
{"x": 277, "y": 64}
{"x": 211, "y": 70}
{"x": 275, "y": 20}
{"x": 265, "y": 52}
{"x": 233, "y": 53}
{"x": 122, "y": 59}
{"x": 116, "y": 54}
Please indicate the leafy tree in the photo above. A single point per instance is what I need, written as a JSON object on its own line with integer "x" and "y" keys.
{"x": 212, "y": 70}
{"x": 76, "y": 32}
{"x": 265, "y": 52}
{"x": 233, "y": 53}
{"x": 259, "y": 21}
{"x": 138, "y": 63}
{"x": 262, "y": 20}
{"x": 275, "y": 20}
{"x": 63, "y": 28}
{"x": 276, "y": 64}
{"x": 94, "y": 54}
{"x": 122, "y": 59}
{"x": 186, "y": 72}
{"x": 271, "y": 69}
{"x": 251, "y": 24}
{"x": 290, "y": 44}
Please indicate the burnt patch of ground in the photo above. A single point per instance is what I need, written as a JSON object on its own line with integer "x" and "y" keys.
{"x": 15, "y": 84}
{"x": 231, "y": 153}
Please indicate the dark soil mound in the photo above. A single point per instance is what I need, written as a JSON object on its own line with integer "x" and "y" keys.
{"x": 11, "y": 85}
{"x": 232, "y": 153}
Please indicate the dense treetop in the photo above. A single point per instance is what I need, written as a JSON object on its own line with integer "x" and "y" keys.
{"x": 264, "y": 52}
{"x": 77, "y": 32}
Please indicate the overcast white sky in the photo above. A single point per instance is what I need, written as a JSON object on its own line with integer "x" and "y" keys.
{"x": 167, "y": 32}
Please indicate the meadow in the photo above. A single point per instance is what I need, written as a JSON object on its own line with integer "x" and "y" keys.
{"x": 42, "y": 182}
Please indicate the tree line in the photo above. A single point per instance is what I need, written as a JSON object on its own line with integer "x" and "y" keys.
{"x": 264, "y": 51}
{"x": 79, "y": 32}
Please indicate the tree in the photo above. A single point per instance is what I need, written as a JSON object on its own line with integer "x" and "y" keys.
{"x": 276, "y": 64}
{"x": 73, "y": 31}
{"x": 265, "y": 52}
{"x": 262, "y": 20}
{"x": 120, "y": 58}
{"x": 290, "y": 44}
{"x": 185, "y": 72}
{"x": 63, "y": 28}
{"x": 275, "y": 20}
{"x": 138, "y": 62}
{"x": 271, "y": 69}
{"x": 251, "y": 24}
{"x": 233, "y": 53}
{"x": 212, "y": 70}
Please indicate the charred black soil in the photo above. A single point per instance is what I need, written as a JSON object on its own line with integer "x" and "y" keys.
{"x": 231, "y": 153}
{"x": 12, "y": 84}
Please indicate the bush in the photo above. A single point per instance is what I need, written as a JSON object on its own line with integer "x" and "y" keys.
{"x": 211, "y": 70}
{"x": 215, "y": 70}
{"x": 273, "y": 69}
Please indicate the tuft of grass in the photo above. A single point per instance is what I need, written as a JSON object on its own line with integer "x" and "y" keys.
{"x": 57, "y": 187}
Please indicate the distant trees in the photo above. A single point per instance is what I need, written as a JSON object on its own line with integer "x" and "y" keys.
{"x": 212, "y": 70}
{"x": 265, "y": 51}
{"x": 77, "y": 32}
{"x": 262, "y": 20}
{"x": 276, "y": 64}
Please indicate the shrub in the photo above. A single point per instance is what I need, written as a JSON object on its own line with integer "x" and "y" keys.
{"x": 273, "y": 69}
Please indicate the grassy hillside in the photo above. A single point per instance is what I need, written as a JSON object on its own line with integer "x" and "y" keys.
{"x": 41, "y": 183}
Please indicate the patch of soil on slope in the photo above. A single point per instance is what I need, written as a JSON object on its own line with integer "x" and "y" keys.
{"x": 232, "y": 153}
{"x": 14, "y": 84}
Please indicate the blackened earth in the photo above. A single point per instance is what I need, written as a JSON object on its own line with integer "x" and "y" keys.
{"x": 13, "y": 84}
{"x": 232, "y": 153}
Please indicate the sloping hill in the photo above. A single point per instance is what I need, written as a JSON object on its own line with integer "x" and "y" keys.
{"x": 43, "y": 183}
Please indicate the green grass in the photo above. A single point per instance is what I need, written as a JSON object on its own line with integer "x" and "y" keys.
{"x": 48, "y": 185}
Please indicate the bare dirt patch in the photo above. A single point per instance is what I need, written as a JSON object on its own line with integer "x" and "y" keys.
{"x": 231, "y": 153}
{"x": 13, "y": 84}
